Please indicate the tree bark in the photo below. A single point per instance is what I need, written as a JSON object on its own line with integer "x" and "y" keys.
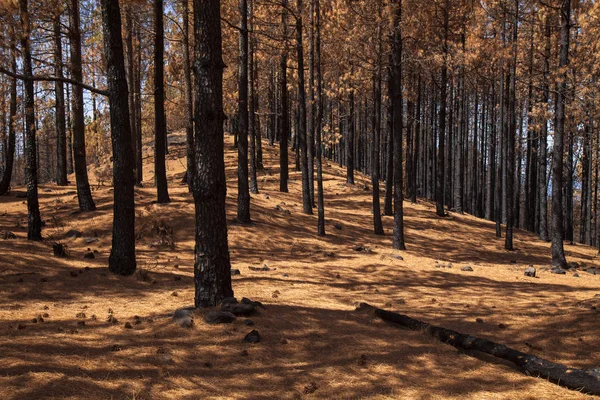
{"x": 243, "y": 210}
{"x": 59, "y": 89}
{"x": 84, "y": 194}
{"x": 284, "y": 116}
{"x": 122, "y": 254}
{"x": 212, "y": 267}
{"x": 558, "y": 251}
{"x": 319, "y": 122}
{"x": 12, "y": 116}
{"x": 160, "y": 123}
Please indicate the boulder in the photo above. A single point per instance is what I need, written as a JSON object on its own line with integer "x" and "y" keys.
{"x": 252, "y": 337}
{"x": 219, "y": 317}
{"x": 530, "y": 271}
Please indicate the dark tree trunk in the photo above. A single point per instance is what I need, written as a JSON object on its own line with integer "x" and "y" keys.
{"x": 350, "y": 141}
{"x": 388, "y": 208}
{"x": 302, "y": 139}
{"x": 212, "y": 268}
{"x": 439, "y": 192}
{"x": 129, "y": 63}
{"x": 543, "y": 142}
{"x": 138, "y": 113}
{"x": 284, "y": 117}
{"x": 319, "y": 121}
{"x": 69, "y": 132}
{"x": 252, "y": 103}
{"x": 34, "y": 221}
{"x": 59, "y": 90}
{"x": 187, "y": 79}
{"x": 160, "y": 123}
{"x": 558, "y": 252}
{"x": 243, "y": 210}
{"x": 122, "y": 254}
{"x": 84, "y": 194}
{"x": 512, "y": 132}
{"x": 376, "y": 121}
{"x": 310, "y": 131}
{"x": 398, "y": 242}
{"x": 12, "y": 114}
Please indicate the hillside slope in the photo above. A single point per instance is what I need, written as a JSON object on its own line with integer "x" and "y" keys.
{"x": 314, "y": 345}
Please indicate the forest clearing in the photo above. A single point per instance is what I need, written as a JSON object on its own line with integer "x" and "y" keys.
{"x": 310, "y": 333}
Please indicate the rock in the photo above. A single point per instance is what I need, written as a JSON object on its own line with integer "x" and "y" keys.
{"x": 501, "y": 326}
{"x": 73, "y": 234}
{"x": 185, "y": 322}
{"x": 359, "y": 247}
{"x": 229, "y": 300}
{"x": 330, "y": 254}
{"x": 558, "y": 271}
{"x": 127, "y": 325}
{"x": 252, "y": 337}
{"x": 530, "y": 271}
{"x": 466, "y": 268}
{"x": 337, "y": 226}
{"x": 310, "y": 388}
{"x": 248, "y": 322}
{"x": 572, "y": 265}
{"x": 575, "y": 275}
{"x": 89, "y": 255}
{"x": 397, "y": 257}
{"x": 592, "y": 271}
{"x": 246, "y": 300}
{"x": 285, "y": 275}
{"x": 7, "y": 235}
{"x": 183, "y": 313}
{"x": 239, "y": 309}
{"x": 597, "y": 296}
{"x": 265, "y": 267}
{"x": 235, "y": 272}
{"x": 174, "y": 294}
{"x": 283, "y": 341}
{"x": 90, "y": 240}
{"x": 479, "y": 320}
{"x": 59, "y": 250}
{"x": 219, "y": 317}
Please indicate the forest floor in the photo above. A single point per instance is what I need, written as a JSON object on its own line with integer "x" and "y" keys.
{"x": 314, "y": 344}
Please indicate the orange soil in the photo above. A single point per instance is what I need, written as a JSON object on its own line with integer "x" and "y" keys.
{"x": 312, "y": 338}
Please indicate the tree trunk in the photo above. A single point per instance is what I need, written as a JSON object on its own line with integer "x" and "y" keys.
{"x": 160, "y": 123}
{"x": 571, "y": 378}
{"x": 558, "y": 252}
{"x": 398, "y": 242}
{"x": 319, "y": 121}
{"x": 243, "y": 210}
{"x": 122, "y": 254}
{"x": 84, "y": 194}
{"x": 284, "y": 117}
{"x": 34, "y": 222}
{"x": 212, "y": 267}
{"x": 252, "y": 103}
{"x": 512, "y": 132}
{"x": 439, "y": 192}
{"x": 59, "y": 89}
{"x": 12, "y": 115}
{"x": 302, "y": 139}
{"x": 350, "y": 141}
{"x": 543, "y": 142}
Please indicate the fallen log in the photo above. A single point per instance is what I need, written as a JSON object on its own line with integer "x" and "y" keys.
{"x": 562, "y": 375}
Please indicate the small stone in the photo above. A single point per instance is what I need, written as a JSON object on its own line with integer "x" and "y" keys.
{"x": 283, "y": 341}
{"x": 46, "y": 315}
{"x": 252, "y": 337}
{"x": 34, "y": 320}
{"x": 337, "y": 226}
{"x": 530, "y": 271}
{"x": 329, "y": 254}
{"x": 116, "y": 347}
{"x": 466, "y": 268}
{"x": 479, "y": 320}
{"x": 235, "y": 272}
{"x": 558, "y": 271}
{"x": 186, "y": 322}
{"x": 248, "y": 322}
{"x": 219, "y": 317}
{"x": 89, "y": 255}
{"x": 239, "y": 309}
{"x": 310, "y": 388}
{"x": 174, "y": 294}
{"x": 285, "y": 275}
{"x": 80, "y": 315}
{"x": 73, "y": 234}
{"x": 397, "y": 257}
{"x": 338, "y": 276}
{"x": 575, "y": 275}
{"x": 6, "y": 235}
{"x": 90, "y": 240}
{"x": 111, "y": 319}
{"x": 501, "y": 326}
{"x": 127, "y": 325}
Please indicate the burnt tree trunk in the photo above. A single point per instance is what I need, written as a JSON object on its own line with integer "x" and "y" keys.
{"x": 284, "y": 116}
{"x": 160, "y": 122}
{"x": 122, "y": 254}
{"x": 12, "y": 115}
{"x": 243, "y": 200}
{"x": 212, "y": 267}
{"x": 59, "y": 90}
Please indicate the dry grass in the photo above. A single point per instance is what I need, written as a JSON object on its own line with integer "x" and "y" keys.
{"x": 314, "y": 344}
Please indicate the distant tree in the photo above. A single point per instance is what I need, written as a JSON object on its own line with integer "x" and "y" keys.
{"x": 243, "y": 211}
{"x": 59, "y": 90}
{"x": 284, "y": 122}
{"x": 160, "y": 123}
{"x": 12, "y": 115}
